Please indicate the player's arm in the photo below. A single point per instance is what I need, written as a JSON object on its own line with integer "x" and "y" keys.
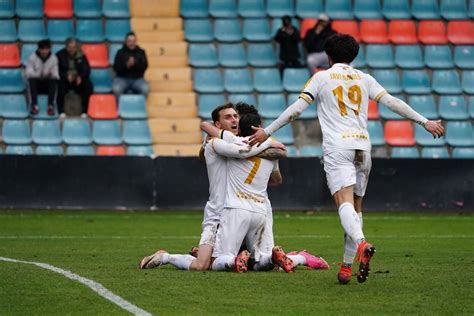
{"x": 275, "y": 178}
{"x": 211, "y": 129}
{"x": 233, "y": 150}
{"x": 273, "y": 154}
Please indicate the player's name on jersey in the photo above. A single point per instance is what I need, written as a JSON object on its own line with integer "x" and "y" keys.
{"x": 354, "y": 76}
{"x": 360, "y": 135}
{"x": 249, "y": 196}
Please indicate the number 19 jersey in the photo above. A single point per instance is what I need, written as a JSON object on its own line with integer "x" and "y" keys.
{"x": 342, "y": 94}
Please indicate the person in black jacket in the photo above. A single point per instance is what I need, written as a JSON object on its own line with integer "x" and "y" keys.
{"x": 130, "y": 65}
{"x": 74, "y": 73}
{"x": 288, "y": 37}
{"x": 314, "y": 42}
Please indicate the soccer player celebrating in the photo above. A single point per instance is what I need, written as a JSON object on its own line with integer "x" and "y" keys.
{"x": 343, "y": 95}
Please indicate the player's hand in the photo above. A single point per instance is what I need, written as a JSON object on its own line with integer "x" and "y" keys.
{"x": 435, "y": 128}
{"x": 278, "y": 145}
{"x": 259, "y": 137}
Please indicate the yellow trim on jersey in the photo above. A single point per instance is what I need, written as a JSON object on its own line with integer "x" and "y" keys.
{"x": 307, "y": 82}
{"x": 221, "y": 133}
{"x": 381, "y": 94}
{"x": 212, "y": 144}
{"x": 306, "y": 98}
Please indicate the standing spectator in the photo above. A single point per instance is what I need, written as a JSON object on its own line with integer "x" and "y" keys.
{"x": 74, "y": 71}
{"x": 130, "y": 65}
{"x": 288, "y": 37}
{"x": 314, "y": 42}
{"x": 42, "y": 74}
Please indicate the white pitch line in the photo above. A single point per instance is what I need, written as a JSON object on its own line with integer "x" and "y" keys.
{"x": 94, "y": 286}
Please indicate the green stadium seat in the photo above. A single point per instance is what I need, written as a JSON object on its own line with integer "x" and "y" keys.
{"x": 405, "y": 152}
{"x": 375, "y": 130}
{"x": 409, "y": 56}
{"x": 87, "y": 9}
{"x": 19, "y": 150}
{"x": 471, "y": 107}
{"x": 60, "y": 30}
{"x": 106, "y": 132}
{"x": 416, "y": 82}
{"x": 116, "y": 9}
{"x": 193, "y": 8}
{"x": 43, "y": 109}
{"x": 270, "y": 106}
{"x": 309, "y": 114}
{"x": 261, "y": 55}
{"x": 113, "y": 49}
{"x": 198, "y": 31}
{"x": 257, "y": 30}
{"x": 29, "y": 8}
{"x": 453, "y": 9}
{"x": 283, "y": 135}
{"x": 396, "y": 9}
{"x": 238, "y": 81}
{"x": 208, "y": 81}
{"x": 50, "y": 150}
{"x": 252, "y": 9}
{"x": 13, "y": 106}
{"x": 46, "y": 132}
{"x": 246, "y": 98}
{"x": 459, "y": 133}
{"x": 207, "y": 103}
{"x": 116, "y": 30}
{"x": 425, "y": 105}
{"x": 31, "y": 30}
{"x": 6, "y": 9}
{"x": 464, "y": 56}
{"x": 144, "y": 151}
{"x": 389, "y": 79}
{"x": 203, "y": 55}
{"x": 232, "y": 55}
{"x": 446, "y": 82}
{"x": 311, "y": 151}
{"x": 101, "y": 80}
{"x": 77, "y": 150}
{"x": 438, "y": 56}
{"x": 267, "y": 80}
{"x": 90, "y": 30}
{"x": 339, "y": 9}
{"x": 385, "y": 112}
{"x": 16, "y": 132}
{"x": 280, "y": 8}
{"x": 468, "y": 81}
{"x": 425, "y": 9}
{"x": 380, "y": 56}
{"x": 26, "y": 51}
{"x": 227, "y": 30}
{"x": 309, "y": 8}
{"x": 424, "y": 138}
{"x": 463, "y": 153}
{"x": 132, "y": 106}
{"x": 367, "y": 9}
{"x": 453, "y": 107}
{"x": 294, "y": 79}
{"x": 471, "y": 9}
{"x": 223, "y": 9}
{"x": 434, "y": 152}
{"x": 136, "y": 132}
{"x": 360, "y": 60}
{"x": 11, "y": 81}
{"x": 77, "y": 132}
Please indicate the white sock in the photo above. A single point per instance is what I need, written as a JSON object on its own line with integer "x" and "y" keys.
{"x": 182, "y": 262}
{"x": 264, "y": 264}
{"x": 298, "y": 260}
{"x": 350, "y": 247}
{"x": 351, "y": 222}
{"x": 223, "y": 263}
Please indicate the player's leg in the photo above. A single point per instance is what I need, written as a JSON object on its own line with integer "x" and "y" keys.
{"x": 161, "y": 257}
{"x": 208, "y": 238}
{"x": 264, "y": 249}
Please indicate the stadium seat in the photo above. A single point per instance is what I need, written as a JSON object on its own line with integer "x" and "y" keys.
{"x": 116, "y": 9}
{"x": 367, "y": 9}
{"x": 389, "y": 79}
{"x": 360, "y": 60}
{"x": 13, "y": 106}
{"x": 446, "y": 82}
{"x": 19, "y": 150}
{"x": 376, "y": 133}
{"x": 291, "y": 151}
{"x": 8, "y": 33}
{"x": 471, "y": 9}
{"x": 256, "y": 30}
{"x": 425, "y": 9}
{"x": 193, "y": 8}
{"x": 373, "y": 110}
{"x": 136, "y": 132}
{"x": 203, "y": 55}
{"x": 270, "y": 106}
{"x": 438, "y": 56}
{"x": 31, "y": 30}
{"x": 58, "y": 9}
{"x": 101, "y": 80}
{"x": 402, "y": 32}
{"x": 373, "y": 32}
{"x": 346, "y": 27}
{"x": 425, "y": 105}
{"x": 309, "y": 8}
{"x": 284, "y": 134}
{"x": 11, "y": 81}
{"x": 223, "y": 9}
{"x": 409, "y": 56}
{"x": 113, "y": 49}
{"x": 132, "y": 106}
{"x": 26, "y": 50}
{"x": 464, "y": 56}
{"x": 77, "y": 132}
{"x": 227, "y": 30}
{"x": 295, "y": 78}
{"x": 208, "y": 102}
{"x": 102, "y": 106}
{"x": 90, "y": 30}
{"x": 6, "y": 9}
{"x": 106, "y": 132}
{"x": 87, "y": 9}
{"x": 80, "y": 151}
{"x": 267, "y": 80}
{"x": 29, "y": 8}
{"x": 16, "y": 132}
{"x": 380, "y": 56}
{"x": 252, "y": 9}
{"x": 399, "y": 133}
{"x": 453, "y": 107}
{"x": 246, "y": 98}
{"x": 96, "y": 54}
{"x": 9, "y": 55}
{"x": 116, "y": 30}
{"x": 110, "y": 151}
{"x": 459, "y": 133}
{"x": 468, "y": 81}
{"x": 432, "y": 32}
{"x": 261, "y": 55}
{"x": 471, "y": 107}
{"x": 46, "y": 132}
{"x": 311, "y": 151}
{"x": 277, "y": 23}
{"x": 310, "y": 113}
{"x": 60, "y": 30}
{"x": 198, "y": 31}
{"x": 140, "y": 151}
{"x": 405, "y": 152}
{"x": 461, "y": 32}
{"x": 387, "y": 114}
{"x": 280, "y": 8}
{"x": 424, "y": 138}
{"x": 416, "y": 82}
{"x": 339, "y": 9}
{"x": 396, "y": 9}
{"x": 453, "y": 9}
{"x": 463, "y": 153}
{"x": 43, "y": 109}
{"x": 434, "y": 152}
{"x": 208, "y": 81}
{"x": 232, "y": 55}
{"x": 238, "y": 81}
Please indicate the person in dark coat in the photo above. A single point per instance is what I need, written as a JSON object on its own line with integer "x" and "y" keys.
{"x": 288, "y": 37}
{"x": 314, "y": 42}
{"x": 130, "y": 65}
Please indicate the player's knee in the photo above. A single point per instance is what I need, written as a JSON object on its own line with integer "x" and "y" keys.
{"x": 202, "y": 265}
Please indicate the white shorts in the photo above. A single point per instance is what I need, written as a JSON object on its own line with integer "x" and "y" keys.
{"x": 348, "y": 167}
{"x": 210, "y": 223}
{"x": 237, "y": 227}
{"x": 268, "y": 241}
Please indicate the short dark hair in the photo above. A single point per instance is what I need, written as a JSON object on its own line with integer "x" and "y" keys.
{"x": 44, "y": 44}
{"x": 216, "y": 115}
{"x": 341, "y": 48}
{"x": 245, "y": 108}
{"x": 70, "y": 40}
{"x": 286, "y": 20}
{"x": 247, "y": 121}
{"x": 130, "y": 34}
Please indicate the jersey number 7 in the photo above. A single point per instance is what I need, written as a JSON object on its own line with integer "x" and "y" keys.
{"x": 353, "y": 94}
{"x": 256, "y": 164}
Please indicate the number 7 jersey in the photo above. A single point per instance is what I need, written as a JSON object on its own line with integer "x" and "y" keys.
{"x": 342, "y": 94}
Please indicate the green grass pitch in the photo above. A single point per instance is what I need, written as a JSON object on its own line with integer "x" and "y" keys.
{"x": 424, "y": 265}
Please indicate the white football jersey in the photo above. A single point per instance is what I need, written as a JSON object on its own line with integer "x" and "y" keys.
{"x": 343, "y": 95}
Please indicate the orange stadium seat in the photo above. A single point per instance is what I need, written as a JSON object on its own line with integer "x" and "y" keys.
{"x": 432, "y": 32}
{"x": 307, "y": 24}
{"x": 373, "y": 31}
{"x": 399, "y": 133}
{"x": 461, "y": 32}
{"x": 97, "y": 55}
{"x": 373, "y": 113}
{"x": 58, "y": 9}
{"x": 110, "y": 151}
{"x": 402, "y": 32}
{"x": 347, "y": 27}
{"x": 9, "y": 55}
{"x": 102, "y": 106}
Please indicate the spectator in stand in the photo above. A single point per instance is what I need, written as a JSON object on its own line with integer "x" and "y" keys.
{"x": 130, "y": 65}
{"x": 74, "y": 72}
{"x": 42, "y": 74}
{"x": 288, "y": 37}
{"x": 314, "y": 42}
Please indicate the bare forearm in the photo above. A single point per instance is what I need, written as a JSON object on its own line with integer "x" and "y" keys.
{"x": 273, "y": 154}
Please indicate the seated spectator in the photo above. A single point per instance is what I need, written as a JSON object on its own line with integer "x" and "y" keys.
{"x": 130, "y": 65}
{"x": 314, "y": 42}
{"x": 288, "y": 37}
{"x": 42, "y": 74}
{"x": 74, "y": 72}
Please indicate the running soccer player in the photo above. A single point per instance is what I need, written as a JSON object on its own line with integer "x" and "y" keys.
{"x": 343, "y": 95}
